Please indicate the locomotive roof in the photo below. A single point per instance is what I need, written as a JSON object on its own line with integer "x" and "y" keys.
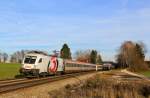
{"x": 37, "y": 52}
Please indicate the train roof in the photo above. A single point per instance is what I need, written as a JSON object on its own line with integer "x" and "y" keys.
{"x": 77, "y": 62}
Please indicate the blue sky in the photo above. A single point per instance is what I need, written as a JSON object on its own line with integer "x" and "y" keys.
{"x": 83, "y": 24}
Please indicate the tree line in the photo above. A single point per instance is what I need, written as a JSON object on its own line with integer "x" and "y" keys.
{"x": 16, "y": 57}
{"x": 87, "y": 56}
{"x": 3, "y": 57}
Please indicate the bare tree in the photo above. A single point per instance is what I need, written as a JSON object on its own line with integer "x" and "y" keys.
{"x": 0, "y": 57}
{"x": 132, "y": 55}
{"x": 83, "y": 56}
{"x": 5, "y": 57}
{"x": 18, "y": 56}
{"x": 13, "y": 59}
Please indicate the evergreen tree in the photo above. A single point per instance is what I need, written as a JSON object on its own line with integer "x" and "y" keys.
{"x": 65, "y": 52}
{"x": 99, "y": 59}
{"x": 93, "y": 56}
{"x": 140, "y": 51}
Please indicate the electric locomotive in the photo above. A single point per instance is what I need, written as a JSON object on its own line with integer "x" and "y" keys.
{"x": 41, "y": 64}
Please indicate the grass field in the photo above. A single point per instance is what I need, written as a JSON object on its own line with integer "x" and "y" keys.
{"x": 8, "y": 70}
{"x": 146, "y": 73}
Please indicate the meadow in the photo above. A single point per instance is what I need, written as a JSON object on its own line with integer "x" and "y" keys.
{"x": 146, "y": 73}
{"x": 9, "y": 70}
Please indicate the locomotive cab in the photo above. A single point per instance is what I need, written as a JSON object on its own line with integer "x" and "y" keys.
{"x": 33, "y": 64}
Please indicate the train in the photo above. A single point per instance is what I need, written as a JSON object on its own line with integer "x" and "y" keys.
{"x": 41, "y": 64}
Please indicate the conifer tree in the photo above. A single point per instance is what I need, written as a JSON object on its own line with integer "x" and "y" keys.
{"x": 65, "y": 52}
{"x": 93, "y": 56}
{"x": 99, "y": 59}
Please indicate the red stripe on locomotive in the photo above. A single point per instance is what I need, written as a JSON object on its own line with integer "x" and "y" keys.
{"x": 53, "y": 64}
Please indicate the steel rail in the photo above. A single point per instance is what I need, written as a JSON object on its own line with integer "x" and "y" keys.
{"x": 11, "y": 86}
{"x": 12, "y": 80}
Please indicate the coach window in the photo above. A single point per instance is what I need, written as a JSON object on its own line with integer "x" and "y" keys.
{"x": 76, "y": 65}
{"x": 40, "y": 61}
{"x": 68, "y": 65}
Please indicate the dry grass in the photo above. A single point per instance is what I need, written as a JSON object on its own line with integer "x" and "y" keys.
{"x": 101, "y": 88}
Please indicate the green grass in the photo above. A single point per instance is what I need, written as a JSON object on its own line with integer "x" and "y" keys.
{"x": 146, "y": 73}
{"x": 9, "y": 70}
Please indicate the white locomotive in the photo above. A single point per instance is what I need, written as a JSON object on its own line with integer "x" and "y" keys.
{"x": 36, "y": 64}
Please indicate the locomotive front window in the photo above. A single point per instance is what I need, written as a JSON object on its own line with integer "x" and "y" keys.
{"x": 30, "y": 60}
{"x": 27, "y": 60}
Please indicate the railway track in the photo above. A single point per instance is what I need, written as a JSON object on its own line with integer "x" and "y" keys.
{"x": 14, "y": 84}
{"x": 11, "y": 80}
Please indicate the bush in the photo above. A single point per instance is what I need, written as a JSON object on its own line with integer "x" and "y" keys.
{"x": 101, "y": 88}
